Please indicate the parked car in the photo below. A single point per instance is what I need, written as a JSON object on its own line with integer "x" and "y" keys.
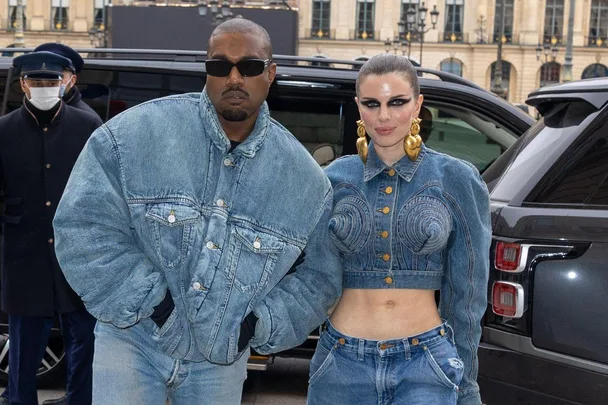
{"x": 316, "y": 103}
{"x": 545, "y": 330}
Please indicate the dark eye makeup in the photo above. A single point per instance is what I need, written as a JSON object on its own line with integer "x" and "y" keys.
{"x": 395, "y": 102}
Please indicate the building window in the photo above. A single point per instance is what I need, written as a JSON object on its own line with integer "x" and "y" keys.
{"x": 508, "y": 20}
{"x": 554, "y": 20}
{"x": 365, "y": 19}
{"x": 550, "y": 73}
{"x": 12, "y": 12}
{"x": 59, "y": 14}
{"x": 595, "y": 70}
{"x": 598, "y": 23}
{"x": 320, "y": 18}
{"x": 454, "y": 15}
{"x": 453, "y": 66}
{"x": 406, "y": 5}
{"x": 506, "y": 77}
{"x": 99, "y": 13}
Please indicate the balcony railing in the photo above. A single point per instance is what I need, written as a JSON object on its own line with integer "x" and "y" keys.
{"x": 550, "y": 39}
{"x": 596, "y": 41}
{"x": 508, "y": 39}
{"x": 365, "y": 35}
{"x": 457, "y": 37}
{"x": 320, "y": 33}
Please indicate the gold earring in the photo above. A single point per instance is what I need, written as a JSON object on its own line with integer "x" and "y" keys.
{"x": 361, "y": 141}
{"x": 413, "y": 141}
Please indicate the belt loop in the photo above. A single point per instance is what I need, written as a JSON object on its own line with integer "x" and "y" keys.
{"x": 361, "y": 351}
{"x": 407, "y": 351}
{"x": 451, "y": 332}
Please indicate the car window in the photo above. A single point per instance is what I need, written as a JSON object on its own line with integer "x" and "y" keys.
{"x": 538, "y": 147}
{"x": 463, "y": 133}
{"x": 579, "y": 179}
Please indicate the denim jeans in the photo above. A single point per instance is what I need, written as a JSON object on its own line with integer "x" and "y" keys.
{"x": 128, "y": 369}
{"x": 419, "y": 370}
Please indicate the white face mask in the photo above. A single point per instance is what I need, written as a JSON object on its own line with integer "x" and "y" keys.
{"x": 44, "y": 98}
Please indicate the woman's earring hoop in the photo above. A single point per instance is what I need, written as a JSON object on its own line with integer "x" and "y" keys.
{"x": 413, "y": 141}
{"x": 361, "y": 141}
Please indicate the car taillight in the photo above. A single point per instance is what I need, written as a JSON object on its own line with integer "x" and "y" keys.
{"x": 507, "y": 256}
{"x": 508, "y": 299}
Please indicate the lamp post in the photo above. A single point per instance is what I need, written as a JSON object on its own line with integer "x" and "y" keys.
{"x": 568, "y": 61}
{"x": 99, "y": 35}
{"x": 399, "y": 41}
{"x": 419, "y": 28}
{"x": 19, "y": 38}
{"x": 218, "y": 12}
{"x": 547, "y": 50}
{"x": 497, "y": 87}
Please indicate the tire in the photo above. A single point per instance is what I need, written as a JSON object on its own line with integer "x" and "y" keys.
{"x": 51, "y": 368}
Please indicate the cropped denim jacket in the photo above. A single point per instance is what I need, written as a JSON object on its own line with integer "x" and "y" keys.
{"x": 157, "y": 200}
{"x": 421, "y": 224}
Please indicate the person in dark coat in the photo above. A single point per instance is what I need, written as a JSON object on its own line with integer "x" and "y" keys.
{"x": 71, "y": 96}
{"x": 39, "y": 144}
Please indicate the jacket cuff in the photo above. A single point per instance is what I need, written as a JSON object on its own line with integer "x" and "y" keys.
{"x": 469, "y": 397}
{"x": 263, "y": 330}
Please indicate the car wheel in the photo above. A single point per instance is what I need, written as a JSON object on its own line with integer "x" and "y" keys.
{"x": 51, "y": 368}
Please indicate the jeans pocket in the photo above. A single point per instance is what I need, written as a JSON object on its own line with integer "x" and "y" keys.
{"x": 445, "y": 362}
{"x": 320, "y": 362}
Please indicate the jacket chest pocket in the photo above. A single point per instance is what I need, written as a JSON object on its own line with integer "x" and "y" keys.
{"x": 172, "y": 226}
{"x": 253, "y": 257}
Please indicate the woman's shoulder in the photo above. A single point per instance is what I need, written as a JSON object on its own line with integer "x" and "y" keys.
{"x": 451, "y": 166}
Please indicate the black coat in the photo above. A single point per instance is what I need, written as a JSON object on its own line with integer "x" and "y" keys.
{"x": 74, "y": 99}
{"x": 35, "y": 164}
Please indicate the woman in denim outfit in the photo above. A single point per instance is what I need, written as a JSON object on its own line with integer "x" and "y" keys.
{"x": 408, "y": 221}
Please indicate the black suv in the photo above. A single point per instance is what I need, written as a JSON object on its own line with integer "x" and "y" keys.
{"x": 544, "y": 330}
{"x": 316, "y": 103}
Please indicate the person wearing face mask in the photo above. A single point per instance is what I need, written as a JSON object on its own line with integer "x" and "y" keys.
{"x": 39, "y": 144}
{"x": 71, "y": 95}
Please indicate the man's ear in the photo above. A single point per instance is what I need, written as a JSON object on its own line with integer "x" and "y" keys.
{"x": 272, "y": 72}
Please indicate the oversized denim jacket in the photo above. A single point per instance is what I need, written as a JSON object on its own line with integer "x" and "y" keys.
{"x": 421, "y": 224}
{"x": 157, "y": 201}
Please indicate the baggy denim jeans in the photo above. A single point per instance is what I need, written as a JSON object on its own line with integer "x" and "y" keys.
{"x": 128, "y": 369}
{"x": 419, "y": 370}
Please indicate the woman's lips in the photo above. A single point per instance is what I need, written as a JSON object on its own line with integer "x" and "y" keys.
{"x": 385, "y": 130}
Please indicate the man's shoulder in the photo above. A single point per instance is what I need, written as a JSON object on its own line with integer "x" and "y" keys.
{"x": 9, "y": 119}
{"x": 82, "y": 116}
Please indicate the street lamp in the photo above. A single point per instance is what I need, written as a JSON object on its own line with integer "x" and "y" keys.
{"x": 547, "y": 50}
{"x": 419, "y": 29}
{"x": 218, "y": 12}
{"x": 395, "y": 44}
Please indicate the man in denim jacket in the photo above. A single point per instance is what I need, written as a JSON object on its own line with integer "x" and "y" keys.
{"x": 197, "y": 205}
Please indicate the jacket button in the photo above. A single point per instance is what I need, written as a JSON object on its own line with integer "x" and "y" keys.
{"x": 45, "y": 129}
{"x": 388, "y": 190}
{"x": 386, "y": 257}
{"x": 48, "y": 166}
{"x": 342, "y": 341}
{"x": 196, "y": 285}
{"x": 391, "y": 172}
{"x": 383, "y": 346}
{"x": 384, "y": 234}
{"x": 227, "y": 162}
{"x": 51, "y": 241}
{"x": 386, "y": 210}
{"x": 415, "y": 342}
{"x": 48, "y": 203}
{"x": 210, "y": 245}
{"x": 388, "y": 280}
{"x": 220, "y": 203}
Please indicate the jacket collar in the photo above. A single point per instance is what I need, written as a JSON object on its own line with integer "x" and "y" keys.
{"x": 73, "y": 96}
{"x": 405, "y": 168}
{"x": 30, "y": 117}
{"x": 214, "y": 130}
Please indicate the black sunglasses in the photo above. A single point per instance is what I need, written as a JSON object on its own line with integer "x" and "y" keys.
{"x": 247, "y": 67}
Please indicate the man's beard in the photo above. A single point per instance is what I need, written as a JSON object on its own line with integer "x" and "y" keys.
{"x": 234, "y": 115}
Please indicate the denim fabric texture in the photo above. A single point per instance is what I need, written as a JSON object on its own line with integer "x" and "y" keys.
{"x": 131, "y": 370}
{"x": 421, "y": 224}
{"x": 157, "y": 200}
{"x": 418, "y": 370}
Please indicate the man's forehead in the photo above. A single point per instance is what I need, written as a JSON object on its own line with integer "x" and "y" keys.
{"x": 236, "y": 46}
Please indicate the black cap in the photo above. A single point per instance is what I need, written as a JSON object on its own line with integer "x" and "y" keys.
{"x": 66, "y": 52}
{"x": 43, "y": 65}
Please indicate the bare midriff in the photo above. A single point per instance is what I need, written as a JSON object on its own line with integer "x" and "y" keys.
{"x": 385, "y": 314}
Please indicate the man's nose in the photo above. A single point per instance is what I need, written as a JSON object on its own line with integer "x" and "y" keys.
{"x": 235, "y": 77}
